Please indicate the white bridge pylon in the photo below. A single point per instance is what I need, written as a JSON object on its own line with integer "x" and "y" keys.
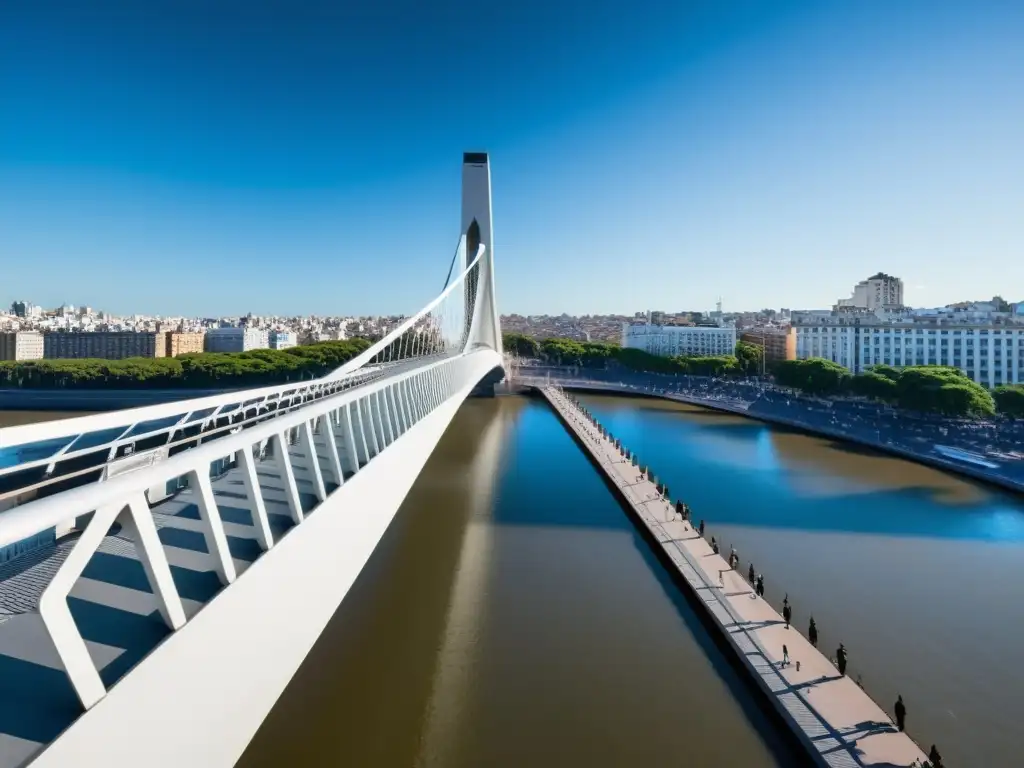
{"x": 275, "y": 497}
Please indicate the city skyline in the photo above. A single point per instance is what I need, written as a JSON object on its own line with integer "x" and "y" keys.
{"x": 769, "y": 153}
{"x": 720, "y": 305}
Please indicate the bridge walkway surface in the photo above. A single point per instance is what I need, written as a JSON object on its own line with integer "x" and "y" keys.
{"x": 836, "y": 721}
{"x": 112, "y": 601}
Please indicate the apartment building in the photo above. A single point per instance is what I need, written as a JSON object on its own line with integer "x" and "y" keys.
{"x": 778, "y": 343}
{"x": 282, "y": 339}
{"x": 688, "y": 340}
{"x": 879, "y": 290}
{"x": 181, "y": 343}
{"x": 990, "y": 352}
{"x": 107, "y": 345}
{"x": 21, "y": 345}
{"x": 239, "y": 339}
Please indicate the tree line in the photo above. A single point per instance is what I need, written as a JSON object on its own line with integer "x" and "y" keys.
{"x": 205, "y": 370}
{"x": 927, "y": 388}
{"x": 598, "y": 354}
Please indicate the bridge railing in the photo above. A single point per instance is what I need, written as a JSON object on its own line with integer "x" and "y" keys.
{"x": 334, "y": 436}
{"x": 437, "y": 331}
{"x": 44, "y": 457}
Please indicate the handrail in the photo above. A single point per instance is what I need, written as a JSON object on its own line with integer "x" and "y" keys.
{"x": 28, "y": 434}
{"x": 363, "y": 358}
{"x": 48, "y": 430}
{"x": 185, "y": 419}
{"x": 204, "y": 435}
{"x": 22, "y": 522}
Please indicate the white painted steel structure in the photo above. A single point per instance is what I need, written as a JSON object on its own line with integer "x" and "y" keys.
{"x": 340, "y": 454}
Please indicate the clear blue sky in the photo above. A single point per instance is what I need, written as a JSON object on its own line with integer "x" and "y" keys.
{"x": 298, "y": 157}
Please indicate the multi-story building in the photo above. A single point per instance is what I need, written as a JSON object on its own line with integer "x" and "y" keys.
{"x": 239, "y": 339}
{"x": 108, "y": 345}
{"x": 21, "y": 345}
{"x": 778, "y": 343}
{"x": 282, "y": 339}
{"x": 181, "y": 343}
{"x": 880, "y": 290}
{"x": 990, "y": 352}
{"x": 689, "y": 340}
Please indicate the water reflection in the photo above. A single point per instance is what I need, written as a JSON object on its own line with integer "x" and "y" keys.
{"x": 451, "y": 687}
{"x": 784, "y": 477}
{"x": 918, "y": 572}
{"x": 510, "y": 617}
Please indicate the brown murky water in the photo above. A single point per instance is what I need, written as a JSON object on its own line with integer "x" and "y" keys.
{"x": 17, "y": 418}
{"x": 512, "y": 617}
{"x": 918, "y": 572}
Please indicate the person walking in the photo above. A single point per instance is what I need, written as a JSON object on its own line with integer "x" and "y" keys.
{"x": 785, "y": 656}
{"x": 841, "y": 659}
{"x": 934, "y": 757}
{"x": 901, "y": 714}
{"x": 760, "y": 585}
{"x": 714, "y": 545}
{"x": 751, "y": 575}
{"x": 787, "y": 613}
{"x": 812, "y": 633}
{"x": 702, "y": 528}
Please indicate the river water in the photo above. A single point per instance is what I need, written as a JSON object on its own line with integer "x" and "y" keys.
{"x": 919, "y": 573}
{"x": 512, "y": 616}
{"x": 17, "y": 418}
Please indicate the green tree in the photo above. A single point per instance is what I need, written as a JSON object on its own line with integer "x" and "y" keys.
{"x": 815, "y": 376}
{"x": 873, "y": 385}
{"x": 941, "y": 389}
{"x": 749, "y": 357}
{"x": 562, "y": 351}
{"x": 202, "y": 370}
{"x": 521, "y": 345}
{"x": 1009, "y": 400}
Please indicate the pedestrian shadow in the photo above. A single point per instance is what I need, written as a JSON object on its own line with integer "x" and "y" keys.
{"x": 685, "y": 538}
{"x": 808, "y": 684}
{"x": 847, "y": 738}
{"x": 749, "y": 625}
{"x": 870, "y": 728}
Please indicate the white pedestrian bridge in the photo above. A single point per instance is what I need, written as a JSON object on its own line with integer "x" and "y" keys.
{"x": 165, "y": 570}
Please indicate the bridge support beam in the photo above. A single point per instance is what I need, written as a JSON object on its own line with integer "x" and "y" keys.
{"x": 485, "y": 328}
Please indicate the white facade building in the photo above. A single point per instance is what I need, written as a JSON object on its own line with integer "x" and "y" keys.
{"x": 990, "y": 354}
{"x": 236, "y": 339}
{"x": 877, "y": 291}
{"x": 21, "y": 345}
{"x": 282, "y": 339}
{"x": 689, "y": 340}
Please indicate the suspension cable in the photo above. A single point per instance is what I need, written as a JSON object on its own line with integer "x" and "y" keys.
{"x": 452, "y": 267}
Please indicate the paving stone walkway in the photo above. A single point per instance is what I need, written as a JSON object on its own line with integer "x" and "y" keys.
{"x": 835, "y": 719}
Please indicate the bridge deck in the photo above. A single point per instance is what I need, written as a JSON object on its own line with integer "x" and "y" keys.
{"x": 112, "y": 602}
{"x": 838, "y": 723}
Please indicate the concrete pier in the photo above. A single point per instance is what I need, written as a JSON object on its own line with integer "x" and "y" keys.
{"x": 834, "y": 719}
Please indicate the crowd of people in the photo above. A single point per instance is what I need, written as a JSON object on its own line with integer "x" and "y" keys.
{"x": 1000, "y": 442}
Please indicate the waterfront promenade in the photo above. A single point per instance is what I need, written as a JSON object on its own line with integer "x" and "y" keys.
{"x": 832, "y": 717}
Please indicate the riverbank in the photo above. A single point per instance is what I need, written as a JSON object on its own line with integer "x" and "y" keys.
{"x": 95, "y": 399}
{"x": 832, "y": 718}
{"x": 1002, "y": 481}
